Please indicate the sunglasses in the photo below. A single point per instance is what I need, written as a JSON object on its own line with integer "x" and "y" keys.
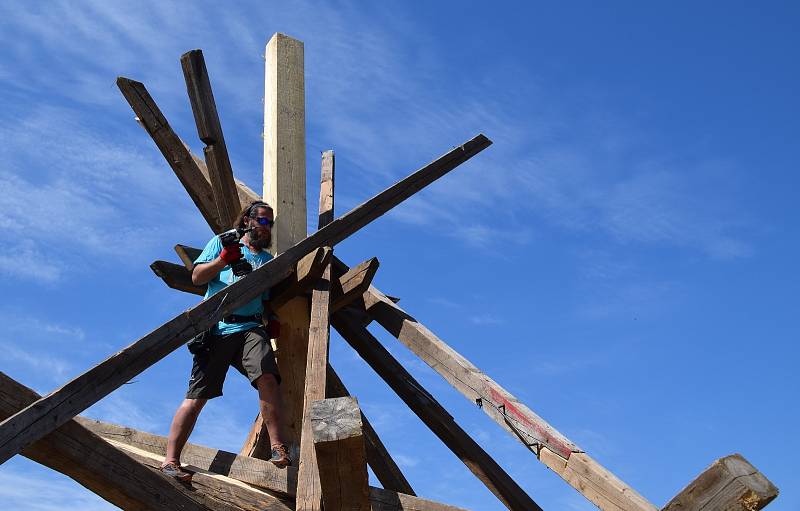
{"x": 262, "y": 220}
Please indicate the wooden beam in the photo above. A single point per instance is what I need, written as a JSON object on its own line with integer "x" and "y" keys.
{"x": 729, "y": 484}
{"x": 216, "y": 492}
{"x": 249, "y": 470}
{"x": 177, "y": 277}
{"x": 378, "y": 457}
{"x": 309, "y": 270}
{"x": 282, "y": 481}
{"x": 309, "y": 491}
{"x": 209, "y": 129}
{"x": 105, "y": 470}
{"x": 433, "y": 414}
{"x": 188, "y": 255}
{"x": 49, "y": 412}
{"x": 174, "y": 150}
{"x": 587, "y": 476}
{"x": 351, "y": 283}
{"x": 339, "y": 446}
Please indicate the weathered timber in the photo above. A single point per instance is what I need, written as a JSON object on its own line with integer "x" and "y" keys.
{"x": 49, "y": 412}
{"x": 588, "y": 477}
{"x": 216, "y": 492}
{"x": 353, "y": 282}
{"x": 209, "y": 129}
{"x": 249, "y": 470}
{"x": 253, "y": 471}
{"x": 188, "y": 255}
{"x": 177, "y": 277}
{"x": 378, "y": 457}
{"x": 174, "y": 150}
{"x": 433, "y": 414}
{"x": 309, "y": 270}
{"x": 339, "y": 445}
{"x": 730, "y": 484}
{"x": 105, "y": 470}
{"x": 309, "y": 491}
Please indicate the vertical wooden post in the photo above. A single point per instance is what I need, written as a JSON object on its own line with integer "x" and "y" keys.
{"x": 309, "y": 493}
{"x": 285, "y": 191}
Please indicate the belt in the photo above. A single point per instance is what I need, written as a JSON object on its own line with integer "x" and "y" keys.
{"x": 235, "y": 318}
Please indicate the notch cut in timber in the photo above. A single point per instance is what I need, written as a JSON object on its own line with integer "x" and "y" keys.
{"x": 53, "y": 410}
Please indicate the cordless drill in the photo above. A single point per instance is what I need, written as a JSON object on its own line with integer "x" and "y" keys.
{"x": 229, "y": 238}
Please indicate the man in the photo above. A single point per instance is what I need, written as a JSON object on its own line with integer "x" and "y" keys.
{"x": 240, "y": 340}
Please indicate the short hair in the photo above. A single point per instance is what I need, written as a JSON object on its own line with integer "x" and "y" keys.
{"x": 249, "y": 211}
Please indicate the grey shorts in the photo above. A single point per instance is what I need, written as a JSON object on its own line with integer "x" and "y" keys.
{"x": 250, "y": 352}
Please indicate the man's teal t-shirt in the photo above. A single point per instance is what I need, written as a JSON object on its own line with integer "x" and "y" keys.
{"x": 226, "y": 278}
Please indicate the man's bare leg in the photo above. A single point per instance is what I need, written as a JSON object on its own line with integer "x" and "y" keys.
{"x": 182, "y": 426}
{"x": 271, "y": 406}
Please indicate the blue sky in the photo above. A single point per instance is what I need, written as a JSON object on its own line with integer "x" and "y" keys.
{"x": 622, "y": 259}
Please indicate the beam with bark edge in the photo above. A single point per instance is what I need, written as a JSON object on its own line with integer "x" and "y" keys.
{"x": 730, "y": 483}
{"x": 209, "y": 129}
{"x": 174, "y": 150}
{"x": 433, "y": 414}
{"x": 260, "y": 473}
{"x": 105, "y": 470}
{"x": 53, "y": 410}
{"x": 378, "y": 457}
{"x": 587, "y": 476}
{"x": 309, "y": 490}
{"x": 339, "y": 445}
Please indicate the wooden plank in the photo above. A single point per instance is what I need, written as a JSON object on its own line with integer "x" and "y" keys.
{"x": 339, "y": 446}
{"x": 730, "y": 484}
{"x": 177, "y": 277}
{"x": 285, "y": 139}
{"x": 253, "y": 471}
{"x": 174, "y": 150}
{"x": 282, "y": 481}
{"x": 378, "y": 457}
{"x": 105, "y": 470}
{"x": 309, "y": 491}
{"x": 433, "y": 414}
{"x": 352, "y": 283}
{"x": 216, "y": 492}
{"x": 586, "y": 475}
{"x": 309, "y": 270}
{"x": 188, "y": 255}
{"x": 209, "y": 129}
{"x": 49, "y": 412}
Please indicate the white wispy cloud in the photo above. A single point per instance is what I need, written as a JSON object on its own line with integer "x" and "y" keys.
{"x": 46, "y": 493}
{"x": 486, "y": 319}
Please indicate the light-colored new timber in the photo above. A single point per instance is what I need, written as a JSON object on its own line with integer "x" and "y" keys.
{"x": 339, "y": 444}
{"x": 729, "y": 484}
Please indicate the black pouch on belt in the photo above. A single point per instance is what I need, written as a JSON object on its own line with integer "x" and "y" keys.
{"x": 201, "y": 343}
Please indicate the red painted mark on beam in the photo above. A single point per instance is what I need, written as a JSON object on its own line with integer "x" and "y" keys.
{"x": 542, "y": 435}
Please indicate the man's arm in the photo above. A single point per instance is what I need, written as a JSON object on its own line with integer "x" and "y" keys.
{"x": 204, "y": 272}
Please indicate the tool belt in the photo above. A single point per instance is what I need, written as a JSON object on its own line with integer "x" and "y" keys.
{"x": 235, "y": 318}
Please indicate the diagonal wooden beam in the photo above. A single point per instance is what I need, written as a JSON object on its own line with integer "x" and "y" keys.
{"x": 177, "y": 277}
{"x": 174, "y": 150}
{"x": 309, "y": 489}
{"x": 553, "y": 449}
{"x": 350, "y": 284}
{"x": 433, "y": 414}
{"x": 53, "y": 410}
{"x": 209, "y": 129}
{"x": 253, "y": 471}
{"x": 378, "y": 457}
{"x": 105, "y": 470}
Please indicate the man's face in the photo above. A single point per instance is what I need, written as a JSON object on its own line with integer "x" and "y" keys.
{"x": 261, "y": 236}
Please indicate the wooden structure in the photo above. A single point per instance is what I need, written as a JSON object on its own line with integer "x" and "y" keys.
{"x": 311, "y": 290}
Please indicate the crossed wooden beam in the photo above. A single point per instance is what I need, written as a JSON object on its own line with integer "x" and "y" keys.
{"x": 337, "y": 442}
